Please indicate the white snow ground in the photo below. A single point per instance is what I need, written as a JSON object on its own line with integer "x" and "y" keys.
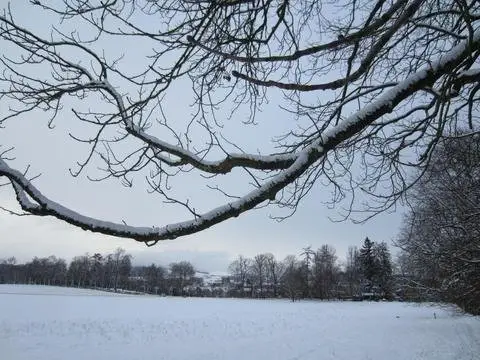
{"x": 59, "y": 323}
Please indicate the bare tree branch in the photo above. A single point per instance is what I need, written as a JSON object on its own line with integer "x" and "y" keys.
{"x": 375, "y": 90}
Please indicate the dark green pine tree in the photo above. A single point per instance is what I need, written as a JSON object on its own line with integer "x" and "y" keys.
{"x": 368, "y": 260}
{"x": 384, "y": 268}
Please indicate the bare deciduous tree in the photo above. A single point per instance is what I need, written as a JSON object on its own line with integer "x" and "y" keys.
{"x": 275, "y": 270}
{"x": 181, "y": 275}
{"x": 240, "y": 271}
{"x": 441, "y": 233}
{"x": 121, "y": 266}
{"x": 259, "y": 270}
{"x": 364, "y": 87}
{"x": 293, "y": 278}
{"x": 353, "y": 271}
{"x": 325, "y": 272}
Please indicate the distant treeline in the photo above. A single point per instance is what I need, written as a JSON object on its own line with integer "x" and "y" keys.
{"x": 367, "y": 273}
{"x": 113, "y": 272}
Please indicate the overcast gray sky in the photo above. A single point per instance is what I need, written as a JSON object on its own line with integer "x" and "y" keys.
{"x": 52, "y": 153}
{"x": 210, "y": 250}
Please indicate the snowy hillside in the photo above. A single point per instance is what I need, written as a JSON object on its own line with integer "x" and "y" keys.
{"x": 209, "y": 279}
{"x": 81, "y": 324}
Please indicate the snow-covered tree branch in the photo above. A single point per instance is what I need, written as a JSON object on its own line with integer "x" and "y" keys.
{"x": 373, "y": 86}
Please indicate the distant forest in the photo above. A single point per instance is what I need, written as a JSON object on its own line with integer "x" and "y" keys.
{"x": 367, "y": 273}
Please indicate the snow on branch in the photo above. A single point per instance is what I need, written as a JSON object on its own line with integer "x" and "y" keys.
{"x": 370, "y": 90}
{"x": 184, "y": 157}
{"x": 33, "y": 201}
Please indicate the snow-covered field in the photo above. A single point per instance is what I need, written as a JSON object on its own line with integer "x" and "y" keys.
{"x": 57, "y": 323}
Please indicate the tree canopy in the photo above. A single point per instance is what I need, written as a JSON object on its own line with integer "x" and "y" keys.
{"x": 440, "y": 239}
{"x": 368, "y": 89}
